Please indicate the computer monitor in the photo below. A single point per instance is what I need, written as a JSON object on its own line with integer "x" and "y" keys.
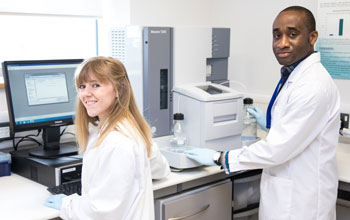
{"x": 41, "y": 95}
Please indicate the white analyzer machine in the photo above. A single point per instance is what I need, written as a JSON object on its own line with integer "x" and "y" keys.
{"x": 213, "y": 116}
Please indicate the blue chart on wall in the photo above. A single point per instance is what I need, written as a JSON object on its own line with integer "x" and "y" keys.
{"x": 333, "y": 24}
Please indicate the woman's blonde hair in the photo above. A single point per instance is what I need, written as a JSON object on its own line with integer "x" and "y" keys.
{"x": 124, "y": 107}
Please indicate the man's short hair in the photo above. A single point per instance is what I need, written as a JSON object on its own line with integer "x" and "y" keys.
{"x": 310, "y": 19}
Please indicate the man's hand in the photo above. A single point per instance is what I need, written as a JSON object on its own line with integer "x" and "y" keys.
{"x": 203, "y": 156}
{"x": 259, "y": 115}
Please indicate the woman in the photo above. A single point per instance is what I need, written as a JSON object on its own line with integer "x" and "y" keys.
{"x": 120, "y": 158}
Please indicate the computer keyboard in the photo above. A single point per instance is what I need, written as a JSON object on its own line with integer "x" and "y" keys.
{"x": 68, "y": 188}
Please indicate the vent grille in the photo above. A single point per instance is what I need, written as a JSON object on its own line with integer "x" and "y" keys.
{"x": 118, "y": 44}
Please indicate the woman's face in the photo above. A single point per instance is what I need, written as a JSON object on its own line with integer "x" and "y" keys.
{"x": 97, "y": 97}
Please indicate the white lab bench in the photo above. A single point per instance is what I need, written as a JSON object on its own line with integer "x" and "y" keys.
{"x": 21, "y": 198}
{"x": 343, "y": 157}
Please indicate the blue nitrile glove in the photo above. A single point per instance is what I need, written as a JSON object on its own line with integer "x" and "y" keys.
{"x": 55, "y": 201}
{"x": 259, "y": 115}
{"x": 203, "y": 156}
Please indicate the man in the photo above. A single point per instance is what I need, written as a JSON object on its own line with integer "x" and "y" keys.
{"x": 298, "y": 157}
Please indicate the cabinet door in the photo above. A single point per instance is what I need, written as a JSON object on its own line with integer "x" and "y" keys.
{"x": 205, "y": 203}
{"x": 246, "y": 191}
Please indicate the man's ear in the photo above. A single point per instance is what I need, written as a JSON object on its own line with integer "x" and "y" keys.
{"x": 313, "y": 37}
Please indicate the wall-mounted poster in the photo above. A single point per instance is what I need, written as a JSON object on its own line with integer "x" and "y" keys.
{"x": 333, "y": 24}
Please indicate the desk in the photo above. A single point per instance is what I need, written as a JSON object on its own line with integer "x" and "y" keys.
{"x": 21, "y": 198}
{"x": 343, "y": 158}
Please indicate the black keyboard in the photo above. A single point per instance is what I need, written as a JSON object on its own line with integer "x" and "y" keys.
{"x": 68, "y": 188}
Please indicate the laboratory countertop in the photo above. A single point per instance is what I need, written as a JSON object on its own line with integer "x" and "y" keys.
{"x": 21, "y": 198}
{"x": 343, "y": 159}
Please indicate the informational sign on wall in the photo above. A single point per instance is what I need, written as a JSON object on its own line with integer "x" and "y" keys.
{"x": 333, "y": 25}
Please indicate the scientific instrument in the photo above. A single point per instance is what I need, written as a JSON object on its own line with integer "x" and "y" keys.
{"x": 214, "y": 115}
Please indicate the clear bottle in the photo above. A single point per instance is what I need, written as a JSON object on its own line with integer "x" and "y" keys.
{"x": 178, "y": 140}
{"x": 249, "y": 132}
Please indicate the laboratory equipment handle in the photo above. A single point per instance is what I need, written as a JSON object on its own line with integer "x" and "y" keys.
{"x": 187, "y": 216}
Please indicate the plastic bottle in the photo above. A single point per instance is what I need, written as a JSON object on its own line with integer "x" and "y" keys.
{"x": 249, "y": 132}
{"x": 178, "y": 141}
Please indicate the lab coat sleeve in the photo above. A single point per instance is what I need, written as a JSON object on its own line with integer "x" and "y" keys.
{"x": 305, "y": 114}
{"x": 111, "y": 188}
{"x": 159, "y": 165}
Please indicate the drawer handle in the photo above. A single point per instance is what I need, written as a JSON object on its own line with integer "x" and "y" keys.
{"x": 187, "y": 216}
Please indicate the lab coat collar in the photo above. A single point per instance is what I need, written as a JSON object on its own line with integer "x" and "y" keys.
{"x": 299, "y": 70}
{"x": 302, "y": 66}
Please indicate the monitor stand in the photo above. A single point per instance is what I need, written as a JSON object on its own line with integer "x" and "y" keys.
{"x": 65, "y": 149}
{"x": 52, "y": 146}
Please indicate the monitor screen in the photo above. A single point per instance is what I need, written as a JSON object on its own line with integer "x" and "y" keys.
{"x": 41, "y": 95}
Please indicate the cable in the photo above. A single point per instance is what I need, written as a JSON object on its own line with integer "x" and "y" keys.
{"x": 64, "y": 129}
{"x": 71, "y": 133}
{"x": 64, "y": 132}
{"x": 25, "y": 138}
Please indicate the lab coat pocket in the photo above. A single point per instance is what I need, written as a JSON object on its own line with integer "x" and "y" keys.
{"x": 276, "y": 198}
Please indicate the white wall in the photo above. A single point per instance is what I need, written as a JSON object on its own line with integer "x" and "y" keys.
{"x": 42, "y": 29}
{"x": 115, "y": 13}
{"x": 171, "y": 12}
{"x": 150, "y": 13}
{"x": 53, "y": 7}
{"x": 25, "y": 36}
{"x": 252, "y": 61}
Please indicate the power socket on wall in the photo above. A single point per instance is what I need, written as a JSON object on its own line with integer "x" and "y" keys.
{"x": 344, "y": 117}
{"x": 5, "y": 133}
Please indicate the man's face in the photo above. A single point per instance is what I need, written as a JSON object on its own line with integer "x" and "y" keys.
{"x": 292, "y": 40}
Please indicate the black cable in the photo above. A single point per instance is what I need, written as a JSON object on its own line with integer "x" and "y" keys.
{"x": 71, "y": 133}
{"x": 25, "y": 138}
{"x": 63, "y": 131}
{"x": 13, "y": 144}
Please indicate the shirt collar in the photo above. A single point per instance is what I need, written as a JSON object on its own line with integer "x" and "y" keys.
{"x": 287, "y": 70}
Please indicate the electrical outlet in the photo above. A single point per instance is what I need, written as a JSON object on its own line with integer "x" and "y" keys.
{"x": 344, "y": 117}
{"x": 5, "y": 133}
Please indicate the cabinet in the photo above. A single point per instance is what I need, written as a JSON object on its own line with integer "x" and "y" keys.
{"x": 246, "y": 195}
{"x": 208, "y": 202}
{"x": 343, "y": 201}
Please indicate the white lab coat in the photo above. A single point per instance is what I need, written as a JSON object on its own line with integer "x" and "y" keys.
{"x": 298, "y": 157}
{"x": 116, "y": 180}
